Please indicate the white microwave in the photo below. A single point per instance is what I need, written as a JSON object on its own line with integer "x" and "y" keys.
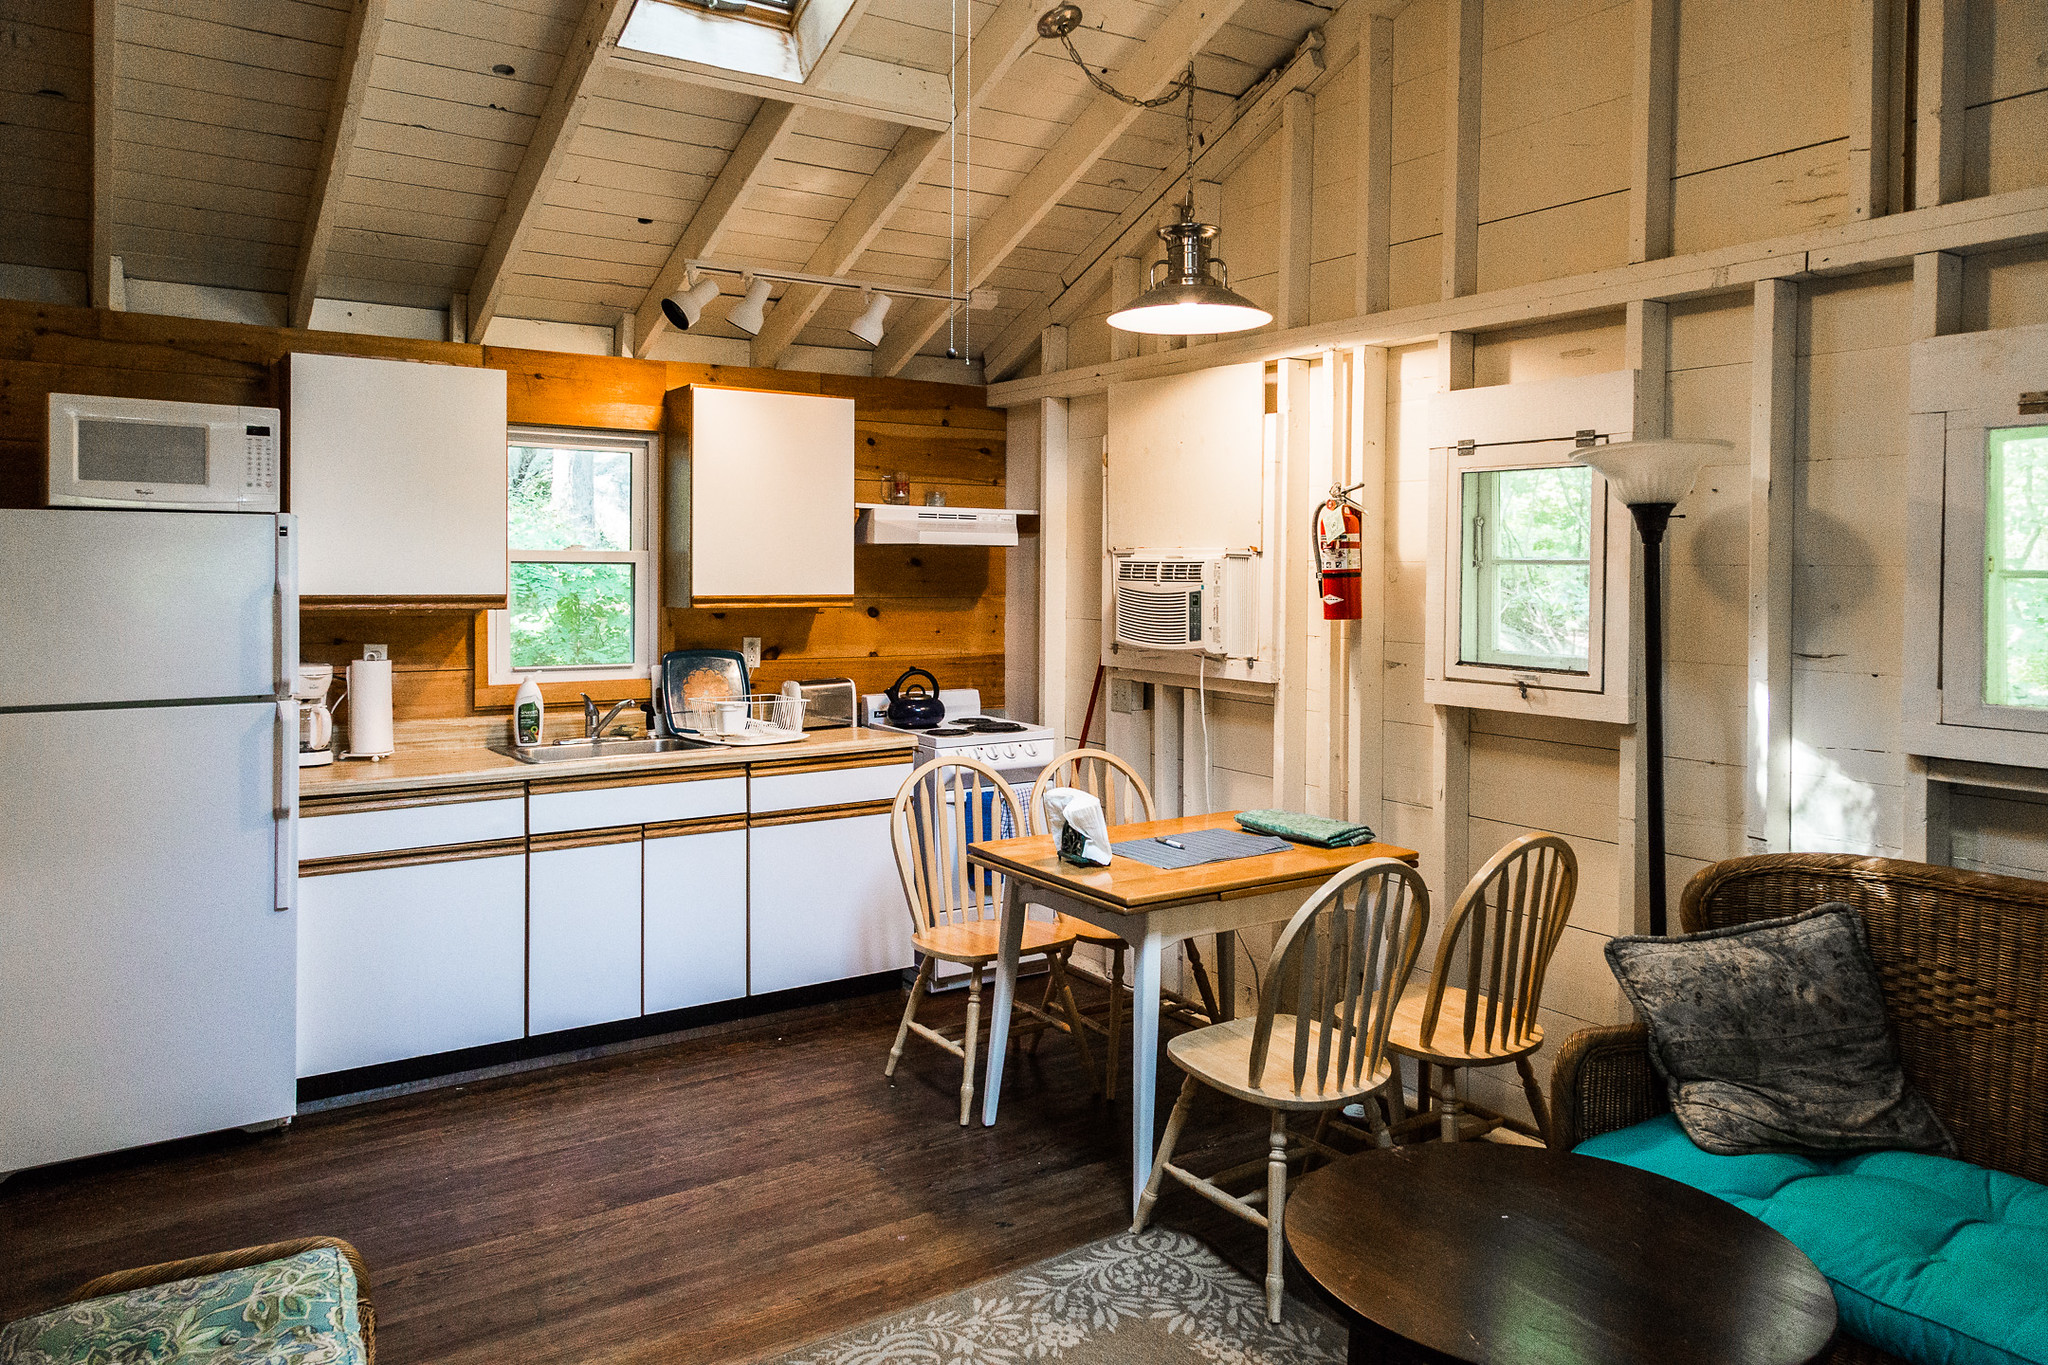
{"x": 147, "y": 452}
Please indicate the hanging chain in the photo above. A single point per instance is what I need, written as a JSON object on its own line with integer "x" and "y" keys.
{"x": 1186, "y": 81}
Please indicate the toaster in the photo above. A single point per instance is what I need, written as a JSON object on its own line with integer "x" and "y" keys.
{"x": 829, "y": 703}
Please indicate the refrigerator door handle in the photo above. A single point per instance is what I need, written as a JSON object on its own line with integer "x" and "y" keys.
{"x": 287, "y": 607}
{"x": 287, "y": 811}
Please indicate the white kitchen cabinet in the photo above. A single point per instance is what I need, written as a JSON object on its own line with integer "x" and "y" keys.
{"x": 583, "y": 926}
{"x": 562, "y": 804}
{"x": 760, "y": 494}
{"x": 826, "y": 903}
{"x": 402, "y": 958}
{"x": 695, "y": 903}
{"x": 800, "y": 784}
{"x": 397, "y": 474}
{"x": 346, "y": 827}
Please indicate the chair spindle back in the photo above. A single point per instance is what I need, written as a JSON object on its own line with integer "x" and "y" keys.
{"x": 942, "y": 808}
{"x": 1125, "y": 798}
{"x": 1511, "y": 916}
{"x": 1339, "y": 967}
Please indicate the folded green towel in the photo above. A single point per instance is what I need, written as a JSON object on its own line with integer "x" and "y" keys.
{"x": 1319, "y": 830}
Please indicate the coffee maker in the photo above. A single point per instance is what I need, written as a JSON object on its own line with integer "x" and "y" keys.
{"x": 316, "y": 720}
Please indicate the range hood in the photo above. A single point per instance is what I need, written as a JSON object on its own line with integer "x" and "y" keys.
{"x": 883, "y": 523}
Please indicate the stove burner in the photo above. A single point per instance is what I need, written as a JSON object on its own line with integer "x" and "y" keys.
{"x": 947, "y": 732}
{"x": 989, "y": 725}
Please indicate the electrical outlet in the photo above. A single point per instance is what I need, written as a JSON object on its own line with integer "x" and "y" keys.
{"x": 750, "y": 650}
{"x": 376, "y": 651}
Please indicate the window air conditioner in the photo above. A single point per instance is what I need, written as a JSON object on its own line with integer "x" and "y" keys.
{"x": 1184, "y": 600}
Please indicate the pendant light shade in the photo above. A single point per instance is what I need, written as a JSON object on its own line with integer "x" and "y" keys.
{"x": 1653, "y": 472}
{"x": 685, "y": 306}
{"x": 750, "y": 314}
{"x": 1194, "y": 298}
{"x": 868, "y": 326}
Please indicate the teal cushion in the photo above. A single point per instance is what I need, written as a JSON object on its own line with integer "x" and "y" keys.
{"x": 1933, "y": 1259}
{"x": 301, "y": 1310}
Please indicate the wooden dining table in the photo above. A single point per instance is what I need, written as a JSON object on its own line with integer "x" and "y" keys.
{"x": 1151, "y": 909}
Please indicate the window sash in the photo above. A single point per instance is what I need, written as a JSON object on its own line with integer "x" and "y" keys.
{"x": 1479, "y": 628}
{"x": 1969, "y": 650}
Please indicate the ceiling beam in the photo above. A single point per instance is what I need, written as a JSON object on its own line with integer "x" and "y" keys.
{"x": 337, "y": 144}
{"x": 1185, "y": 32}
{"x": 756, "y": 151}
{"x": 1005, "y": 38}
{"x": 848, "y": 84}
{"x": 549, "y": 148}
{"x": 1228, "y": 139}
{"x": 106, "y": 48}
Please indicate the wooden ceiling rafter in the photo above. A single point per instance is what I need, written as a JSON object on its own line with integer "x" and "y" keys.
{"x": 1002, "y": 41}
{"x": 1175, "y": 43}
{"x": 337, "y": 144}
{"x": 106, "y": 47}
{"x": 549, "y": 148}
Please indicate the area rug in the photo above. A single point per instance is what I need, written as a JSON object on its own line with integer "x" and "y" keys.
{"x": 1156, "y": 1297}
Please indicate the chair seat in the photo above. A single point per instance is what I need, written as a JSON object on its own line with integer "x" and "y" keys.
{"x": 981, "y": 941}
{"x": 1447, "y": 1044}
{"x": 1221, "y": 1055}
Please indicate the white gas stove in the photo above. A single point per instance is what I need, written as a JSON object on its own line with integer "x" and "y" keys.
{"x": 1016, "y": 750}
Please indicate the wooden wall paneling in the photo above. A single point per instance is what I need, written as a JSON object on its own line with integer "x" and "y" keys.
{"x": 1297, "y": 205}
{"x": 1294, "y": 589}
{"x": 1374, "y": 158}
{"x": 1054, "y": 551}
{"x": 1773, "y": 458}
{"x": 1653, "y": 114}
{"x": 1870, "y": 107}
{"x": 1368, "y": 439}
{"x": 337, "y": 147}
{"x": 1940, "y": 118}
{"x": 106, "y": 47}
{"x": 1463, "y": 47}
{"x": 1937, "y": 309}
{"x": 1127, "y": 281}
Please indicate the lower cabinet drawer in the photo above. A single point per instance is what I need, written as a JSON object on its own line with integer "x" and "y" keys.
{"x": 583, "y": 919}
{"x": 348, "y": 830}
{"x": 789, "y": 791}
{"x": 403, "y": 961}
{"x": 826, "y": 903}
{"x": 600, "y": 803}
{"x": 696, "y": 918}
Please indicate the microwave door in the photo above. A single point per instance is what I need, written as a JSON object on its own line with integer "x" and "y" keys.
{"x": 152, "y": 456}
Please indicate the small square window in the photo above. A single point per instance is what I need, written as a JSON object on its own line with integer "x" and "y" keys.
{"x": 1528, "y": 568}
{"x": 2016, "y": 567}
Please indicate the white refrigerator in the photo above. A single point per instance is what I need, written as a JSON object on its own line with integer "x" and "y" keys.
{"x": 148, "y": 870}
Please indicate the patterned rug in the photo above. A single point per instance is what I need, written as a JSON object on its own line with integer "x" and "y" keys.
{"x": 1149, "y": 1298}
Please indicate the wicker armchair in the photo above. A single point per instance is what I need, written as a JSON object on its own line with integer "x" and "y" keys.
{"x": 1963, "y": 957}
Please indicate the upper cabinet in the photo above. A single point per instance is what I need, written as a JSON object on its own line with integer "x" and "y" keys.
{"x": 760, "y": 497}
{"x": 396, "y": 470}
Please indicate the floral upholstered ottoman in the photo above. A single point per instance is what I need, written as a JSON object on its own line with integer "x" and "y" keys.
{"x": 300, "y": 1308}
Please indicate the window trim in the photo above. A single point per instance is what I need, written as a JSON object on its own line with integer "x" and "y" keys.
{"x": 645, "y": 557}
{"x": 1962, "y": 386}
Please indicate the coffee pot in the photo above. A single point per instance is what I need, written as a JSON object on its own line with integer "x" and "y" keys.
{"x": 316, "y": 719}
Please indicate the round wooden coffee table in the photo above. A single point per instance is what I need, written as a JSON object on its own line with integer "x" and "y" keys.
{"x": 1479, "y": 1251}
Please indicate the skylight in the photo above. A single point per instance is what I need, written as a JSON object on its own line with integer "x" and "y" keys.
{"x": 779, "y": 39}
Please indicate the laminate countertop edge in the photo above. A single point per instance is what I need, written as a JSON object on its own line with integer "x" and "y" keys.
{"x": 414, "y": 767}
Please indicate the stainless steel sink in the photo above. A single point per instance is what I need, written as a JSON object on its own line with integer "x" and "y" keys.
{"x": 568, "y": 750}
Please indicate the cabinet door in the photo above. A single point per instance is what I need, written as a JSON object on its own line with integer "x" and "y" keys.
{"x": 398, "y": 478}
{"x": 825, "y": 902}
{"x": 583, "y": 919}
{"x": 767, "y": 481}
{"x": 696, "y": 909}
{"x": 405, "y": 961}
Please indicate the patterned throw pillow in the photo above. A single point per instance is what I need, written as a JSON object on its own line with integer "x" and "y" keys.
{"x": 1771, "y": 1037}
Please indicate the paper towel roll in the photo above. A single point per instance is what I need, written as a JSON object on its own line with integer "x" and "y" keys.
{"x": 369, "y": 708}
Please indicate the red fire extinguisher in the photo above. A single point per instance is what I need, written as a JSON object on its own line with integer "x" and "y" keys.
{"x": 1337, "y": 526}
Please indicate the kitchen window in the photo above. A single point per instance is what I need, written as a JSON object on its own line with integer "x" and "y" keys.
{"x": 582, "y": 598}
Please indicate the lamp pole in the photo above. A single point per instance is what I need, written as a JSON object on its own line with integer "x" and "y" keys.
{"x": 1651, "y": 519}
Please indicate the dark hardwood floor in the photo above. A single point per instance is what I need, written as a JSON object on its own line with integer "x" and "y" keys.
{"x": 717, "y": 1199}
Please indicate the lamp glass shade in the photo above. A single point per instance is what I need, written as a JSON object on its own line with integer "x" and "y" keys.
{"x": 1647, "y": 472}
{"x": 750, "y": 314}
{"x": 868, "y": 326}
{"x": 1194, "y": 298}
{"x": 685, "y": 306}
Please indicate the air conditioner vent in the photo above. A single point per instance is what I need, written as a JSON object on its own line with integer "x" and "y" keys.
{"x": 1159, "y": 571}
{"x": 1165, "y": 620}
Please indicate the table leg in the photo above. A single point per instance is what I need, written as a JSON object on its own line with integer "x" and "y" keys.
{"x": 1144, "y": 1056}
{"x": 1006, "y": 992}
{"x": 1226, "y": 972}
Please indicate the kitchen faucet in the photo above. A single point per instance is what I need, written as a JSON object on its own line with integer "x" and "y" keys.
{"x": 592, "y": 725}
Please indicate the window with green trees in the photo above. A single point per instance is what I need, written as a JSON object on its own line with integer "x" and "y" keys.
{"x": 581, "y": 592}
{"x": 1527, "y": 599}
{"x": 2016, "y": 567}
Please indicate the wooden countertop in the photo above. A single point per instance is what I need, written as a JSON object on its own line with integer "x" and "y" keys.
{"x": 453, "y": 753}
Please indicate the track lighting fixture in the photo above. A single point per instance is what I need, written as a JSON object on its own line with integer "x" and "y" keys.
{"x": 685, "y": 306}
{"x": 868, "y": 326}
{"x": 751, "y": 312}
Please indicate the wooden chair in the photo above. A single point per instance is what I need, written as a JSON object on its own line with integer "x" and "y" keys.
{"x": 1319, "y": 1042}
{"x": 1125, "y": 800}
{"x": 1497, "y": 945}
{"x": 956, "y": 910}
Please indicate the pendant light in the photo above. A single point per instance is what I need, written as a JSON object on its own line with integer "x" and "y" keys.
{"x": 1190, "y": 292}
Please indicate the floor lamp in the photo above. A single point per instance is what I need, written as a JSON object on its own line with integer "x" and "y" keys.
{"x": 1651, "y": 478}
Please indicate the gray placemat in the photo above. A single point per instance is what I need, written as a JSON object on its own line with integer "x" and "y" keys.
{"x": 1203, "y": 846}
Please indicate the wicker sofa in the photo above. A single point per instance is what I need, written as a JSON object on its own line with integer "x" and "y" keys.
{"x": 1964, "y": 960}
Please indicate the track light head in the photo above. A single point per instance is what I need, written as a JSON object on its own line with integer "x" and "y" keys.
{"x": 750, "y": 314}
{"x": 868, "y": 326}
{"x": 685, "y": 306}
